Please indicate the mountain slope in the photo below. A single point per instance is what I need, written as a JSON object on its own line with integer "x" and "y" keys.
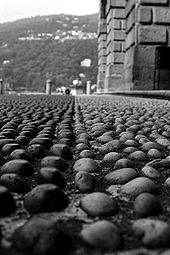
{"x": 48, "y": 46}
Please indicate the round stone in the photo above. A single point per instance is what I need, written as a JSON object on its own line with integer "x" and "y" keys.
{"x": 131, "y": 143}
{"x": 151, "y": 145}
{"x": 163, "y": 141}
{"x": 51, "y": 238}
{"x": 55, "y": 161}
{"x": 143, "y": 140}
{"x": 14, "y": 183}
{"x": 9, "y": 147}
{"x": 154, "y": 154}
{"x": 138, "y": 156}
{"x": 129, "y": 150}
{"x": 21, "y": 154}
{"x": 82, "y": 146}
{"x": 150, "y": 172}
{"x": 123, "y": 163}
{"x": 121, "y": 176}
{"x": 87, "y": 154}
{"x": 46, "y": 143}
{"x": 110, "y": 146}
{"x": 82, "y": 140}
{"x": 160, "y": 163}
{"x": 36, "y": 151}
{"x": 22, "y": 140}
{"x": 62, "y": 150}
{"x": 45, "y": 198}
{"x": 126, "y": 136}
{"x": 84, "y": 182}
{"x": 112, "y": 157}
{"x": 102, "y": 235}
{"x": 52, "y": 175}
{"x": 146, "y": 205}
{"x": 18, "y": 166}
{"x": 154, "y": 233}
{"x": 66, "y": 141}
{"x": 137, "y": 186}
{"x": 98, "y": 204}
{"x": 104, "y": 138}
{"x": 86, "y": 164}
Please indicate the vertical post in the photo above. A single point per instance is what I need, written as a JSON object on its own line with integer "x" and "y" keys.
{"x": 1, "y": 87}
{"x": 88, "y": 88}
{"x": 48, "y": 87}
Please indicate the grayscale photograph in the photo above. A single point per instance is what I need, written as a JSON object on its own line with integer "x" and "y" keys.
{"x": 85, "y": 127}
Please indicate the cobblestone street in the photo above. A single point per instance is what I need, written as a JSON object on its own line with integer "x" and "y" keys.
{"x": 84, "y": 175}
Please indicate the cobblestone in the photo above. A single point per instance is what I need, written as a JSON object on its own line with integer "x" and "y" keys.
{"x": 111, "y": 126}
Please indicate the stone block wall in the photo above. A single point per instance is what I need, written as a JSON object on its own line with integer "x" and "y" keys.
{"x": 130, "y": 34}
{"x": 147, "y": 27}
{"x": 115, "y": 21}
{"x": 111, "y": 37}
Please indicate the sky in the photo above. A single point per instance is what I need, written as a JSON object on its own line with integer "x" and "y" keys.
{"x": 11, "y": 10}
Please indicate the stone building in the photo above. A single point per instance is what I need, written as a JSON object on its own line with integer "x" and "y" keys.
{"x": 134, "y": 45}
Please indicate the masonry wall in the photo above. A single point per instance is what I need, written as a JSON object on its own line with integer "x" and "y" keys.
{"x": 115, "y": 20}
{"x": 111, "y": 37}
{"x": 147, "y": 27}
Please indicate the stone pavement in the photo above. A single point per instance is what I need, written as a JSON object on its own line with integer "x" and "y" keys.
{"x": 84, "y": 175}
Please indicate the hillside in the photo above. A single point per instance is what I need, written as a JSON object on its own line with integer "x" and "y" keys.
{"x": 52, "y": 46}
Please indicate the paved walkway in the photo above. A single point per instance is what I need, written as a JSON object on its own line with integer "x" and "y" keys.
{"x": 85, "y": 175}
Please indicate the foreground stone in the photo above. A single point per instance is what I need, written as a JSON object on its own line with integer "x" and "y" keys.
{"x": 18, "y": 166}
{"x": 146, "y": 204}
{"x": 36, "y": 151}
{"x": 84, "y": 182}
{"x": 150, "y": 172}
{"x": 153, "y": 233}
{"x": 121, "y": 176}
{"x": 45, "y": 198}
{"x": 98, "y": 204}
{"x": 87, "y": 154}
{"x": 21, "y": 154}
{"x": 52, "y": 175}
{"x": 138, "y": 186}
{"x": 14, "y": 183}
{"x": 41, "y": 236}
{"x": 138, "y": 156}
{"x": 112, "y": 157}
{"x": 102, "y": 235}
{"x": 110, "y": 146}
{"x": 86, "y": 164}
{"x": 160, "y": 163}
{"x": 62, "y": 150}
{"x": 123, "y": 163}
{"x": 8, "y": 148}
{"x": 54, "y": 161}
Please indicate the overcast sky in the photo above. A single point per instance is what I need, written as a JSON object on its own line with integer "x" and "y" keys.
{"x": 11, "y": 10}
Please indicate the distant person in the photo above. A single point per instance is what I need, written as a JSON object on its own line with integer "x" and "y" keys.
{"x": 67, "y": 91}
